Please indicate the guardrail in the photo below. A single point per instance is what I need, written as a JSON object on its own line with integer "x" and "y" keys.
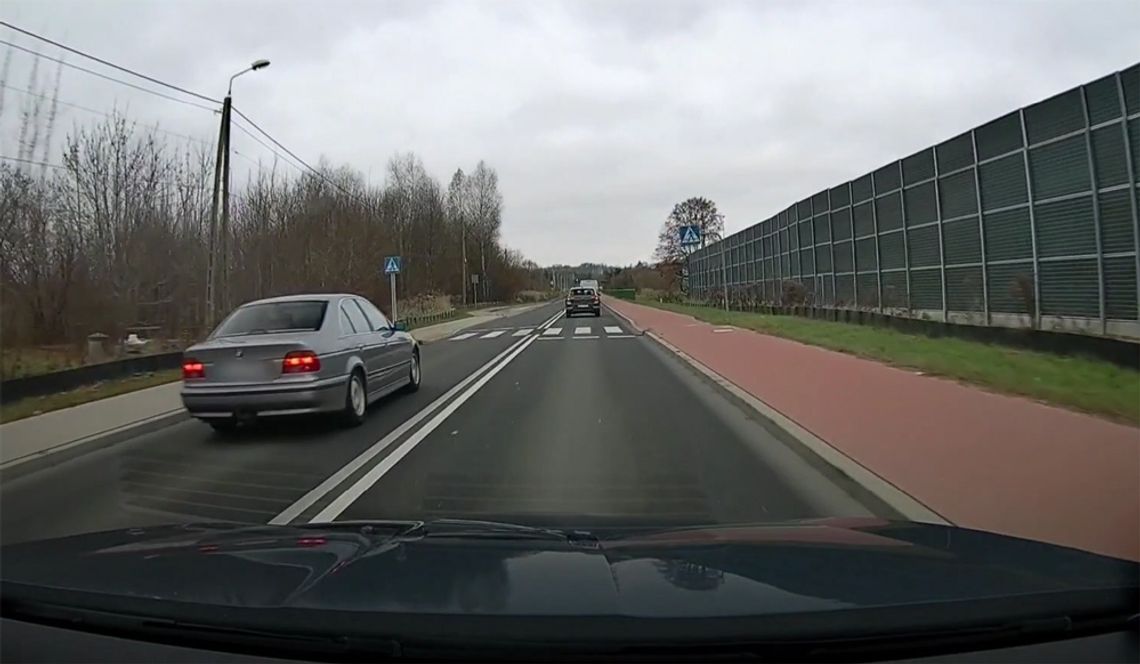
{"x": 16, "y": 389}
{"x": 427, "y": 319}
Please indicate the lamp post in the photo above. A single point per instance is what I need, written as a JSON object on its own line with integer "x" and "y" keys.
{"x": 218, "y": 248}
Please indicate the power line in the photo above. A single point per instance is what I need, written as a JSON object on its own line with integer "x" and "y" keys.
{"x": 289, "y": 152}
{"x": 31, "y": 161}
{"x": 104, "y": 76}
{"x": 97, "y": 112}
{"x": 262, "y": 144}
{"x": 110, "y": 64}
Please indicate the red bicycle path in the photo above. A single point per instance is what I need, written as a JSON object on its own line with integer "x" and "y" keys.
{"x": 981, "y": 460}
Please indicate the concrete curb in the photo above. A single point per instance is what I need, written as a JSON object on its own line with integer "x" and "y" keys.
{"x": 56, "y": 454}
{"x": 879, "y": 488}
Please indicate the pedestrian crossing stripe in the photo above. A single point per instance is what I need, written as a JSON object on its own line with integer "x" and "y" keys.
{"x": 575, "y": 332}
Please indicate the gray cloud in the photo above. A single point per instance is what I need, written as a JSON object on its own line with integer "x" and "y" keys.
{"x": 597, "y": 115}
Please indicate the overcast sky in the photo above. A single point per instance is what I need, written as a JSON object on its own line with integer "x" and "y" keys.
{"x": 598, "y": 116}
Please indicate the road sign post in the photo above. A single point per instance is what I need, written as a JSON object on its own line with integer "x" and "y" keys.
{"x": 392, "y": 268}
{"x": 474, "y": 289}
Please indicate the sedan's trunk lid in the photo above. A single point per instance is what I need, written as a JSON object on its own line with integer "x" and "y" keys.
{"x": 250, "y": 358}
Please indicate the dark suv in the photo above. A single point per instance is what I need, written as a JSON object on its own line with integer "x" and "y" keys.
{"x": 583, "y": 300}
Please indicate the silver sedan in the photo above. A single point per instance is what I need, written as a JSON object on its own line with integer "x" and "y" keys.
{"x": 296, "y": 355}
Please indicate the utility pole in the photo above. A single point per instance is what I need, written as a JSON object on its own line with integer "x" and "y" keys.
{"x": 483, "y": 268}
{"x": 217, "y": 270}
{"x": 463, "y": 244}
{"x": 223, "y": 240}
{"x": 212, "y": 252}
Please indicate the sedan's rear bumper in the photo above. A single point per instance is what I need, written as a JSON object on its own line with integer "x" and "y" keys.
{"x": 224, "y": 401}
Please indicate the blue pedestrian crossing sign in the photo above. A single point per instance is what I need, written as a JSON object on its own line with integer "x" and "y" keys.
{"x": 392, "y": 265}
{"x": 690, "y": 235}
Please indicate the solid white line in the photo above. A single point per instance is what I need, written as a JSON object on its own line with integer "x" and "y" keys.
{"x": 621, "y": 336}
{"x": 586, "y": 337}
{"x": 461, "y": 337}
{"x": 341, "y": 502}
{"x": 581, "y": 330}
{"x": 322, "y": 489}
{"x": 549, "y": 338}
{"x": 613, "y": 329}
{"x": 522, "y": 332}
{"x": 492, "y": 335}
{"x": 552, "y": 331}
{"x": 334, "y": 480}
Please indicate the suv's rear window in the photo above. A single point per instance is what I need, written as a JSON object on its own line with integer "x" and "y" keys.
{"x": 582, "y": 291}
{"x": 274, "y": 317}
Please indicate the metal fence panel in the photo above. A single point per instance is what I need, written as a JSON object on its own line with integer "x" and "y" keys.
{"x": 1034, "y": 213}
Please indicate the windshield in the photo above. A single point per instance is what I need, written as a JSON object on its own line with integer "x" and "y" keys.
{"x": 273, "y": 317}
{"x": 636, "y": 309}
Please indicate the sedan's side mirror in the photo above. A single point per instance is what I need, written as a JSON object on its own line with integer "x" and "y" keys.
{"x": 400, "y": 326}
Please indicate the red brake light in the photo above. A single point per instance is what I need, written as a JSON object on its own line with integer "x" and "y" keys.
{"x": 192, "y": 369}
{"x": 301, "y": 361}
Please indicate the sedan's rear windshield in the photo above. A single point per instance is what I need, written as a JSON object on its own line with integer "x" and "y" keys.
{"x": 274, "y": 317}
{"x": 582, "y": 291}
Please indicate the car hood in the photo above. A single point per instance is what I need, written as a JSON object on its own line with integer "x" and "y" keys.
{"x": 484, "y": 568}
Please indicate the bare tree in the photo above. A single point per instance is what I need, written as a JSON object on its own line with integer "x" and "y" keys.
{"x": 697, "y": 211}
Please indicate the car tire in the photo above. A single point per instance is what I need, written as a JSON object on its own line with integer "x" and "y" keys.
{"x": 415, "y": 374}
{"x": 355, "y": 400}
{"x": 224, "y": 426}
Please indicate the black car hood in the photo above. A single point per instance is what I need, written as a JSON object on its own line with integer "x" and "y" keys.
{"x": 478, "y": 568}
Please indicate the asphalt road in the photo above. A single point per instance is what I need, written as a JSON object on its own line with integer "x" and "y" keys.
{"x": 533, "y": 419}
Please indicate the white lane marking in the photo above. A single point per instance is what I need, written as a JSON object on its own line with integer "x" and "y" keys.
{"x": 322, "y": 489}
{"x": 492, "y": 335}
{"x": 621, "y": 336}
{"x": 334, "y": 480}
{"x": 586, "y": 337}
{"x": 341, "y": 502}
{"x": 613, "y": 329}
{"x": 522, "y": 332}
{"x": 549, "y": 338}
{"x": 461, "y": 337}
{"x": 552, "y": 331}
{"x": 581, "y": 330}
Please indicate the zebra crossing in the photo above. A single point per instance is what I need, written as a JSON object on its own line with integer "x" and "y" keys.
{"x": 576, "y": 332}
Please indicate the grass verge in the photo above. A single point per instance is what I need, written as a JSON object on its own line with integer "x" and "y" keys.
{"x": 1080, "y": 383}
{"x": 38, "y": 405}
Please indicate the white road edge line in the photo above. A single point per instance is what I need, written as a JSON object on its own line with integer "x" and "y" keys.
{"x": 910, "y": 507}
{"x": 342, "y": 502}
{"x": 330, "y": 483}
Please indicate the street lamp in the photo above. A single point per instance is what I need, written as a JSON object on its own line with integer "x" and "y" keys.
{"x": 222, "y": 191}
{"x": 257, "y": 64}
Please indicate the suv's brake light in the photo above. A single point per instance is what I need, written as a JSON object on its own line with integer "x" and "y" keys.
{"x": 192, "y": 369}
{"x": 300, "y": 361}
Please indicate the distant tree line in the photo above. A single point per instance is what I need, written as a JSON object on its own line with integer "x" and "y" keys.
{"x": 113, "y": 233}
